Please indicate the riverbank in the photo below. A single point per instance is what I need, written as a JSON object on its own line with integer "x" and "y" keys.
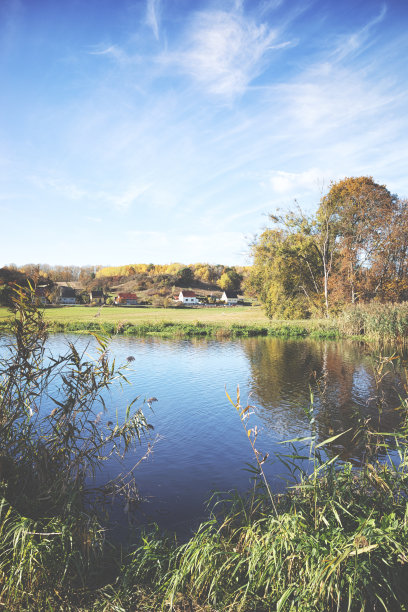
{"x": 370, "y": 322}
{"x": 233, "y": 322}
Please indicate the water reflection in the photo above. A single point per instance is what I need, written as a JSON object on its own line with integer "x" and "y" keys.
{"x": 341, "y": 376}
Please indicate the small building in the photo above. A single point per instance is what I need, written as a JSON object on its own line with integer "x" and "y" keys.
{"x": 126, "y": 299}
{"x": 188, "y": 297}
{"x": 230, "y": 298}
{"x": 97, "y": 297}
{"x": 67, "y": 295}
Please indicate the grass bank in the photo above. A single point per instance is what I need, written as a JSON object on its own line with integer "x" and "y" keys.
{"x": 336, "y": 542}
{"x": 178, "y": 322}
{"x": 371, "y": 322}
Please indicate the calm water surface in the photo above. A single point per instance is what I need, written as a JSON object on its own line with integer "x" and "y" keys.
{"x": 202, "y": 446}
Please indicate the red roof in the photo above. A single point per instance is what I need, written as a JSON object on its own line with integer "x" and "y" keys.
{"x": 127, "y": 296}
{"x": 188, "y": 293}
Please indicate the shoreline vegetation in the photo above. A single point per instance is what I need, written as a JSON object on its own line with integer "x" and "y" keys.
{"x": 337, "y": 539}
{"x": 372, "y": 322}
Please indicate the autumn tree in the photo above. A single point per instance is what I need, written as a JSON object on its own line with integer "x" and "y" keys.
{"x": 184, "y": 277}
{"x": 387, "y": 276}
{"x": 358, "y": 214}
{"x": 230, "y": 280}
{"x": 205, "y": 273}
{"x": 286, "y": 272}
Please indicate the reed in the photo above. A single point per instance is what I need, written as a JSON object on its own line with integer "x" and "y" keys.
{"x": 381, "y": 322}
{"x": 51, "y": 542}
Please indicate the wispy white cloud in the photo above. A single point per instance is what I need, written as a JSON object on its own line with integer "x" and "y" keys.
{"x": 153, "y": 16}
{"x": 58, "y": 185}
{"x": 121, "y": 200}
{"x": 116, "y": 53}
{"x": 225, "y": 51}
{"x": 354, "y": 42}
{"x": 269, "y": 5}
{"x": 327, "y": 96}
{"x": 124, "y": 201}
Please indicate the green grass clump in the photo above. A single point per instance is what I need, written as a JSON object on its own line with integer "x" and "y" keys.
{"x": 45, "y": 563}
{"x": 347, "y": 550}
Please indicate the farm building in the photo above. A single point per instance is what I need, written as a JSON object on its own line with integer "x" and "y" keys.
{"x": 67, "y": 295}
{"x": 230, "y": 298}
{"x": 97, "y": 297}
{"x": 188, "y": 297}
{"x": 126, "y": 299}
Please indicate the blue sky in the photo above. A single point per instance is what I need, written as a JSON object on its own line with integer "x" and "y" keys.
{"x": 165, "y": 130}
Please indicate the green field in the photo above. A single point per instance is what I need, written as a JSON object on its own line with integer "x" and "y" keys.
{"x": 242, "y": 315}
{"x": 177, "y": 322}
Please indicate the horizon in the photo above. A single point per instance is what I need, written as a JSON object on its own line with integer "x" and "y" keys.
{"x": 157, "y": 131}
{"x": 11, "y": 265}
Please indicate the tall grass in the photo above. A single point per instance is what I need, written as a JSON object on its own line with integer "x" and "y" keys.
{"x": 382, "y": 322}
{"x": 196, "y": 329}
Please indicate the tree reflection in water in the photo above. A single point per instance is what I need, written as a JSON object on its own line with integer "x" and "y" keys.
{"x": 342, "y": 377}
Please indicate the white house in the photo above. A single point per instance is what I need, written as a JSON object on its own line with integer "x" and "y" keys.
{"x": 188, "y": 297}
{"x": 230, "y": 298}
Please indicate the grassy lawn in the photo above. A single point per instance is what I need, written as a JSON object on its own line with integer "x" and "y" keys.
{"x": 245, "y": 315}
{"x": 171, "y": 322}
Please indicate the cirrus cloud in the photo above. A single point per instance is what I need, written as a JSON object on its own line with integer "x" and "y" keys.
{"x": 225, "y": 51}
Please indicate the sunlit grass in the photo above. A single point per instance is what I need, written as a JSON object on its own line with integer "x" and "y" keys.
{"x": 113, "y": 314}
{"x": 178, "y": 322}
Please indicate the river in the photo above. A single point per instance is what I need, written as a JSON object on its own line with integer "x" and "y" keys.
{"x": 200, "y": 444}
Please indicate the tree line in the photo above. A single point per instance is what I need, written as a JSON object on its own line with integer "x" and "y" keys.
{"x": 353, "y": 249}
{"x": 224, "y": 277}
